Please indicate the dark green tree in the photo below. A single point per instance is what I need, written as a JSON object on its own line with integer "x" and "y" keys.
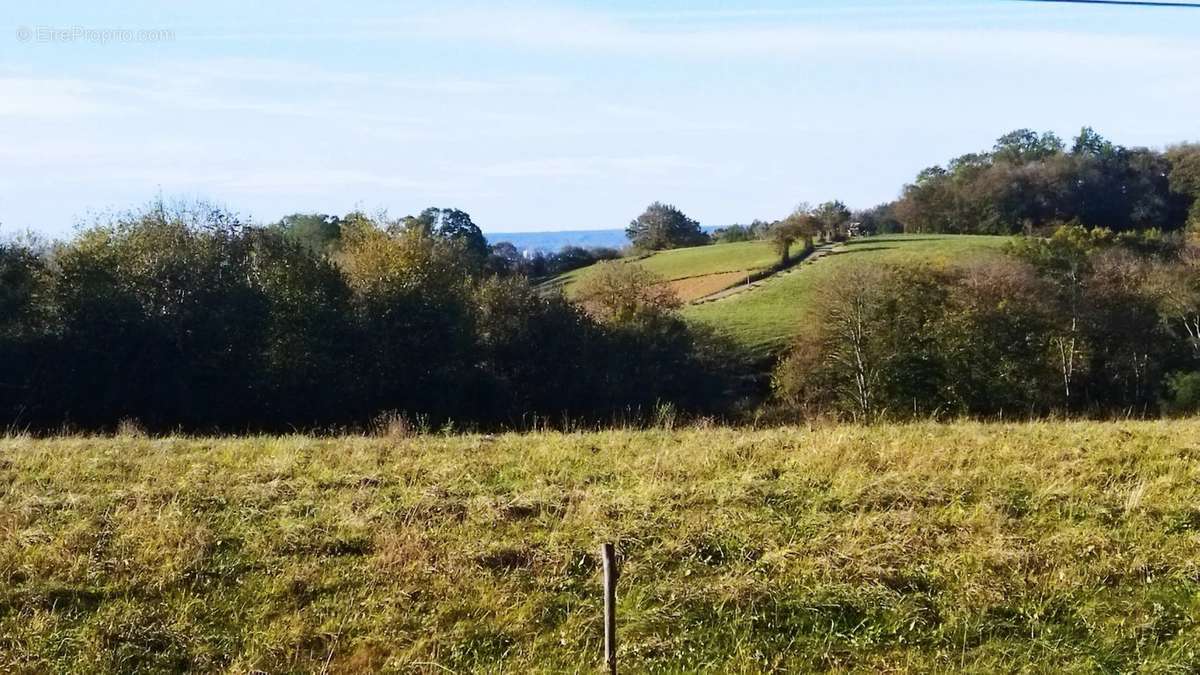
{"x": 452, "y": 225}
{"x": 833, "y": 218}
{"x": 663, "y": 226}
{"x": 318, "y": 232}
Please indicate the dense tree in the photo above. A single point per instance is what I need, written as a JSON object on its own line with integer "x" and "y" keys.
{"x": 23, "y": 343}
{"x": 622, "y": 293}
{"x": 307, "y": 355}
{"x": 800, "y": 226}
{"x": 878, "y": 220}
{"x": 1184, "y": 179}
{"x": 318, "y": 232}
{"x": 663, "y": 226}
{"x": 160, "y": 320}
{"x": 1025, "y": 145}
{"x": 574, "y": 257}
{"x": 1030, "y": 182}
{"x": 1176, "y": 287}
{"x": 870, "y": 350}
{"x": 757, "y": 229}
{"x": 732, "y": 234}
{"x": 453, "y": 225}
{"x": 505, "y": 258}
{"x": 1083, "y": 322}
{"x": 994, "y": 339}
{"x": 184, "y": 317}
{"x": 833, "y": 218}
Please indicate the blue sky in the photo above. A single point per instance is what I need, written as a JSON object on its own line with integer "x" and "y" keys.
{"x": 546, "y": 116}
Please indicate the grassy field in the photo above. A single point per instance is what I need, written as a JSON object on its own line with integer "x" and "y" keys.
{"x": 1031, "y": 547}
{"x": 764, "y": 319}
{"x": 722, "y": 262}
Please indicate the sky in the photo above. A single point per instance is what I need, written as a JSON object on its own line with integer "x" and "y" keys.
{"x": 552, "y": 116}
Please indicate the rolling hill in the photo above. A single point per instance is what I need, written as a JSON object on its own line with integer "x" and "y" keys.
{"x": 698, "y": 271}
{"x": 764, "y": 317}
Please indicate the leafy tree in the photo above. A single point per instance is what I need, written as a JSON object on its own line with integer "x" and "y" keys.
{"x": 160, "y": 320}
{"x": 318, "y": 232}
{"x": 574, "y": 257}
{"x": 1025, "y": 145}
{"x": 1065, "y": 261}
{"x": 307, "y": 363}
{"x": 24, "y": 341}
{"x": 1185, "y": 180}
{"x": 757, "y": 229}
{"x": 833, "y": 218}
{"x": 452, "y": 225}
{"x": 877, "y": 220}
{"x": 995, "y": 340}
{"x": 410, "y": 295}
{"x": 868, "y": 350}
{"x": 1183, "y": 394}
{"x": 1029, "y": 183}
{"x": 663, "y": 226}
{"x": 732, "y": 234}
{"x": 800, "y": 226}
{"x": 1078, "y": 322}
{"x": 1090, "y": 143}
{"x": 1176, "y": 286}
{"x": 623, "y": 293}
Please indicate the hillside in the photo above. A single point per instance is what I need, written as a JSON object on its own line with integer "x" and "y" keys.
{"x": 698, "y": 271}
{"x": 763, "y": 319}
{"x": 1036, "y": 548}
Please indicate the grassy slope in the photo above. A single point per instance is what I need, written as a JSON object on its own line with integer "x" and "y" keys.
{"x": 1044, "y": 548}
{"x": 765, "y": 318}
{"x": 698, "y": 261}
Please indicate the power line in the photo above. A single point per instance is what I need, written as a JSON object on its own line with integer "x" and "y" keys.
{"x": 1127, "y": 3}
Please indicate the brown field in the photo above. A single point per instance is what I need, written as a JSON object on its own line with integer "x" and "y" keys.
{"x": 694, "y": 288}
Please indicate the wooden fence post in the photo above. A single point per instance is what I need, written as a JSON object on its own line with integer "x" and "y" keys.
{"x": 609, "y": 555}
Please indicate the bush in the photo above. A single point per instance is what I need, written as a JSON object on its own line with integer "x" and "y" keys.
{"x": 1183, "y": 394}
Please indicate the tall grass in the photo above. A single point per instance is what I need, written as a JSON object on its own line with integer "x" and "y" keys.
{"x": 1044, "y": 547}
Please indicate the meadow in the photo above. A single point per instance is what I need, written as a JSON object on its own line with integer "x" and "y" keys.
{"x": 1033, "y": 547}
{"x": 765, "y": 319}
{"x": 697, "y": 271}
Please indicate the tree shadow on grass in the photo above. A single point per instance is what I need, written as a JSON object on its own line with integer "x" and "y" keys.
{"x": 895, "y": 239}
{"x": 860, "y": 249}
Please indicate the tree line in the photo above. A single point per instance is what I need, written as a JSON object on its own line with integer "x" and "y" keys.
{"x": 185, "y": 317}
{"x": 1084, "y": 322}
{"x": 1029, "y": 183}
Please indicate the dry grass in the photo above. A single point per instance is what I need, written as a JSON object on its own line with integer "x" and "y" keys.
{"x": 1040, "y": 547}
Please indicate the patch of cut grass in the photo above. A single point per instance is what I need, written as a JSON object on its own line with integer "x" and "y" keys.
{"x": 910, "y": 548}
